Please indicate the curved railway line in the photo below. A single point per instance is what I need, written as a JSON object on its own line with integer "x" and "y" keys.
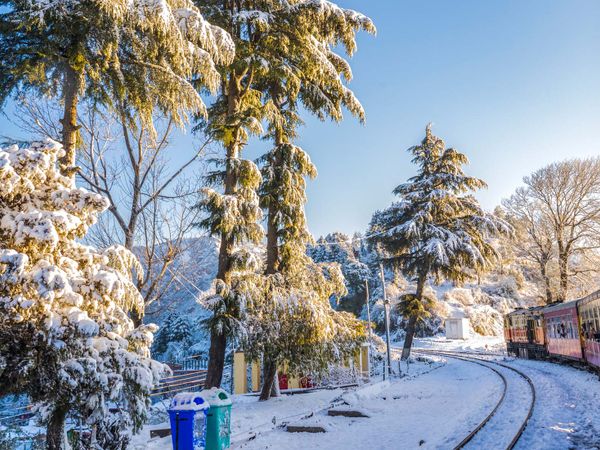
{"x": 481, "y": 427}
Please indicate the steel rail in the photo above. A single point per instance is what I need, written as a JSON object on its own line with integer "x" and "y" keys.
{"x": 465, "y": 356}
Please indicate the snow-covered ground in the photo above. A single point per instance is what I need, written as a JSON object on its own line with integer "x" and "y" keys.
{"x": 426, "y": 411}
{"x": 477, "y": 343}
{"x": 567, "y": 413}
{"x": 432, "y": 406}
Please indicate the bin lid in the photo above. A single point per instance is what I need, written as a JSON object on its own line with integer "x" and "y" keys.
{"x": 189, "y": 401}
{"x": 216, "y": 397}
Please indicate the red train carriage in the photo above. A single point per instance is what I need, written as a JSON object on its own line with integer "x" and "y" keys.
{"x": 562, "y": 330}
{"x": 589, "y": 321}
{"x": 524, "y": 333}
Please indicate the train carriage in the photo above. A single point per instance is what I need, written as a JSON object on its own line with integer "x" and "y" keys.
{"x": 589, "y": 320}
{"x": 524, "y": 333}
{"x": 562, "y": 330}
{"x": 568, "y": 330}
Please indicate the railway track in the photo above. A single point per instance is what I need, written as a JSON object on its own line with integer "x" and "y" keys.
{"x": 487, "y": 425}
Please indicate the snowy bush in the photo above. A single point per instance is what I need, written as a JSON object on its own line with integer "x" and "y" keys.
{"x": 460, "y": 295}
{"x": 485, "y": 320}
{"x": 173, "y": 337}
{"x": 65, "y": 337}
{"x": 505, "y": 287}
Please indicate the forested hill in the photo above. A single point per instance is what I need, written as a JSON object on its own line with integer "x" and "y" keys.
{"x": 182, "y": 319}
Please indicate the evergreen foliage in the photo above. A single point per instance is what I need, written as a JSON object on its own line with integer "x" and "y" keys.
{"x": 437, "y": 228}
{"x": 284, "y": 55}
{"x": 338, "y": 247}
{"x": 65, "y": 337}
{"x": 305, "y": 71}
{"x": 175, "y": 330}
{"x": 133, "y": 56}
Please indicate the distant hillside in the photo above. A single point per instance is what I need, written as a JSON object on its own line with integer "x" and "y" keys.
{"x": 195, "y": 271}
{"x": 484, "y": 303}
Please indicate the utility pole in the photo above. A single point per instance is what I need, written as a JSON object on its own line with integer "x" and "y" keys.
{"x": 368, "y": 311}
{"x": 386, "y": 307}
{"x": 369, "y": 321}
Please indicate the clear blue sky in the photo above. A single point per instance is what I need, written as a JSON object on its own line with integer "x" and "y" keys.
{"x": 513, "y": 84}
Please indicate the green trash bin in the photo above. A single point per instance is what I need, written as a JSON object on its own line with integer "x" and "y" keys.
{"x": 218, "y": 419}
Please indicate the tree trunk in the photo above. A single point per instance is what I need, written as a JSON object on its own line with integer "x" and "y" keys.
{"x": 55, "y": 439}
{"x": 546, "y": 278}
{"x": 216, "y": 359}
{"x": 412, "y": 321}
{"x": 408, "y": 340}
{"x": 272, "y": 241}
{"x": 218, "y": 340}
{"x": 273, "y": 208}
{"x": 270, "y": 378}
{"x": 563, "y": 265}
{"x": 73, "y": 82}
{"x": 137, "y": 318}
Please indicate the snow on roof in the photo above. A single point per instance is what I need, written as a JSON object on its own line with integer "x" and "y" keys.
{"x": 589, "y": 298}
{"x": 559, "y": 306}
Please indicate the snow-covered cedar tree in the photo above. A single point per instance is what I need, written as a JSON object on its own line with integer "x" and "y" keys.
{"x": 284, "y": 54}
{"x": 290, "y": 320}
{"x": 297, "y": 66}
{"x": 175, "y": 331}
{"x": 65, "y": 338}
{"x": 437, "y": 228}
{"x": 338, "y": 247}
{"x": 133, "y": 56}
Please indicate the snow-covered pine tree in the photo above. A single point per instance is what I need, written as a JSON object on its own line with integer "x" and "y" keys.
{"x": 175, "y": 331}
{"x": 338, "y": 247}
{"x": 290, "y": 320}
{"x": 301, "y": 68}
{"x": 133, "y": 56}
{"x": 232, "y": 208}
{"x": 284, "y": 52}
{"x": 65, "y": 338}
{"x": 437, "y": 228}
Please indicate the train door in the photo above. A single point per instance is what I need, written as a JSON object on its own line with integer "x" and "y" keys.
{"x": 530, "y": 330}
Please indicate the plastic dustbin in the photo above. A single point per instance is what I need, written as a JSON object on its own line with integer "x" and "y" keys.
{"x": 218, "y": 420}
{"x": 188, "y": 421}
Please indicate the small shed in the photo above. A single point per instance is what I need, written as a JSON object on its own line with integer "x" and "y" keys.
{"x": 458, "y": 328}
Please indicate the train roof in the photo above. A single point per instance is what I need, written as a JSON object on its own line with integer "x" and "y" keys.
{"x": 589, "y": 298}
{"x": 531, "y": 310}
{"x": 557, "y": 306}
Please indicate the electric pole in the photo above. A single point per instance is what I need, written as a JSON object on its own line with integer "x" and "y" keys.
{"x": 368, "y": 311}
{"x": 386, "y": 307}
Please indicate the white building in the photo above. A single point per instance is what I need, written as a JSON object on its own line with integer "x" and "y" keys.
{"x": 458, "y": 328}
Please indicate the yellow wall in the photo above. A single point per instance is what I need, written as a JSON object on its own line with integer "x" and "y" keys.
{"x": 240, "y": 381}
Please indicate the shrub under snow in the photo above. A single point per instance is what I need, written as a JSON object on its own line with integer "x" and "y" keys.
{"x": 65, "y": 337}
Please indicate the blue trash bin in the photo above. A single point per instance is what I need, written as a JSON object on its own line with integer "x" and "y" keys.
{"x": 188, "y": 421}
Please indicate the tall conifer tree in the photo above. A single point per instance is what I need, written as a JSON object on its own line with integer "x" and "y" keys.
{"x": 437, "y": 228}
{"x": 284, "y": 53}
{"x": 311, "y": 74}
{"x": 133, "y": 56}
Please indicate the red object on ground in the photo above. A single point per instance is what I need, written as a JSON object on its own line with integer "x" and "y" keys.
{"x": 306, "y": 382}
{"x": 283, "y": 381}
